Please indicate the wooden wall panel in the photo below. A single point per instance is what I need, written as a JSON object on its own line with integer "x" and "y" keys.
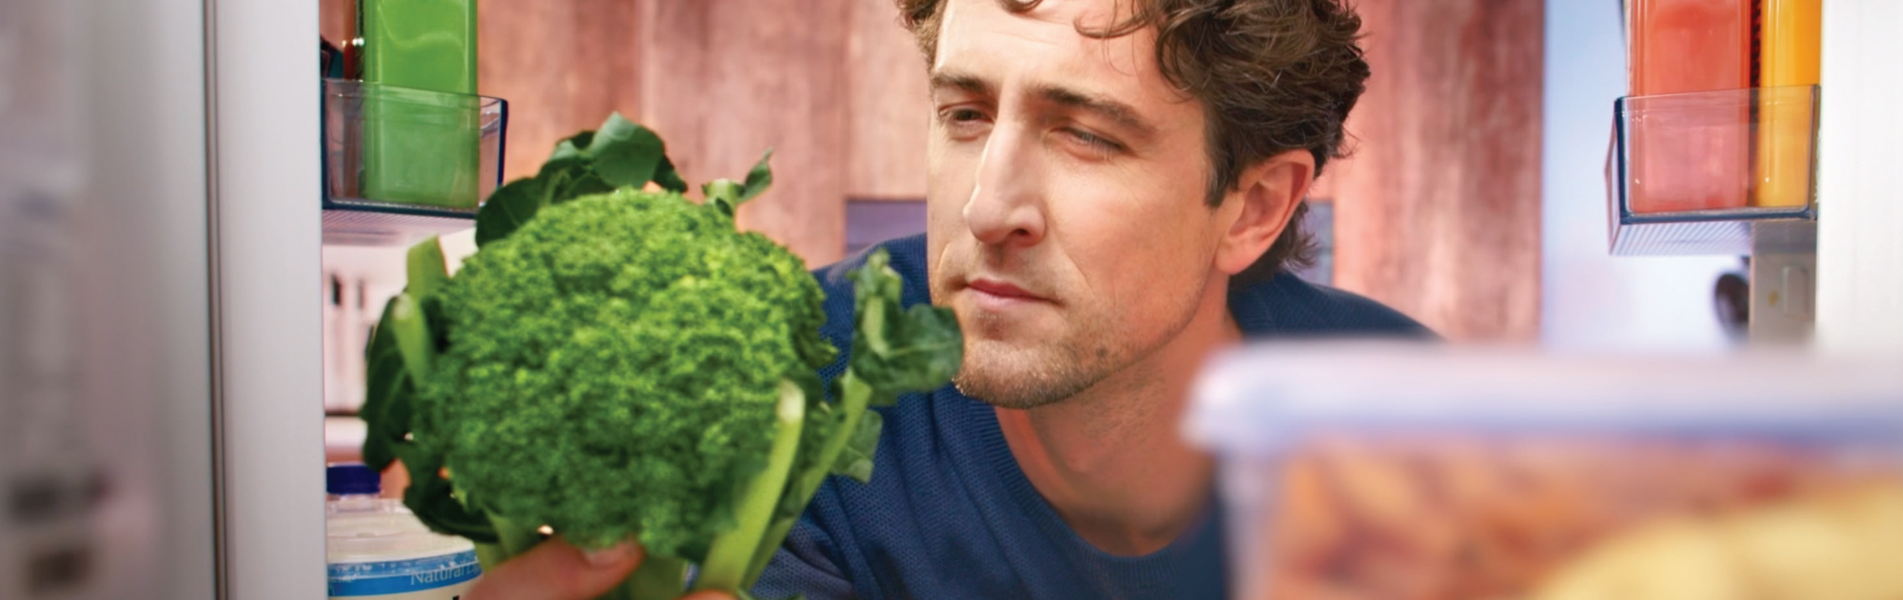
{"x": 726, "y": 79}
{"x": 1438, "y": 213}
{"x": 563, "y": 65}
{"x": 889, "y": 106}
{"x": 721, "y": 80}
{"x": 337, "y": 20}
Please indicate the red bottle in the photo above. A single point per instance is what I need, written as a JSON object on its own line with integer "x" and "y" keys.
{"x": 1690, "y": 153}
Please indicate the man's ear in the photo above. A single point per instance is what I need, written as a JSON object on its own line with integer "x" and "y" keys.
{"x": 1264, "y": 198}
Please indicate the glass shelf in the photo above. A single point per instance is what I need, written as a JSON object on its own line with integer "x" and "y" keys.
{"x": 402, "y": 164}
{"x": 1707, "y": 172}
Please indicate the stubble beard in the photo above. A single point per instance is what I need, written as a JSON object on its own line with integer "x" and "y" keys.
{"x": 1030, "y": 375}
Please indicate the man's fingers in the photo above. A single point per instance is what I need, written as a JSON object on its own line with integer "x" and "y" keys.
{"x": 612, "y": 556}
{"x": 557, "y": 570}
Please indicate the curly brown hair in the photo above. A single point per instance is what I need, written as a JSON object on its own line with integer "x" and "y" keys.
{"x": 1273, "y": 76}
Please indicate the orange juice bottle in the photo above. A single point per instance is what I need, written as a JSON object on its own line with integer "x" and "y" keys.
{"x": 1790, "y": 56}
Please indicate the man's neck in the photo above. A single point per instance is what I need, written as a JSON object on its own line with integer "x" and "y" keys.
{"x": 1110, "y": 460}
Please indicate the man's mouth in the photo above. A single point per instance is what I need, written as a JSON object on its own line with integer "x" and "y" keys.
{"x": 1000, "y": 293}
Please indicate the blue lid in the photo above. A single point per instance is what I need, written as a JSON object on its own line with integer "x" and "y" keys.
{"x": 351, "y": 478}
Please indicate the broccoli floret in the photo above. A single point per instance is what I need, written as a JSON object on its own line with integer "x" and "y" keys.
{"x": 646, "y": 338}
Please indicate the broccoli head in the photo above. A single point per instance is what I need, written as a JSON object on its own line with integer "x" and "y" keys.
{"x": 611, "y": 369}
{"x": 615, "y": 362}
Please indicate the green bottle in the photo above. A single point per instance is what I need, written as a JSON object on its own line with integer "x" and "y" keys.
{"x": 422, "y": 123}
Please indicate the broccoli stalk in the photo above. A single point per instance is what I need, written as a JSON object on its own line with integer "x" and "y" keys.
{"x": 516, "y": 537}
{"x": 658, "y": 578}
{"x": 731, "y": 555}
{"x": 894, "y": 352}
{"x": 852, "y": 407}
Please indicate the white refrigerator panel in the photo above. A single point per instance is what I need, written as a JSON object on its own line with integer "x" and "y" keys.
{"x": 1859, "y": 186}
{"x": 269, "y": 352}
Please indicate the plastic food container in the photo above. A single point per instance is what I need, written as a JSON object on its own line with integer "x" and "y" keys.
{"x": 389, "y": 147}
{"x": 377, "y": 550}
{"x": 1419, "y": 472}
{"x": 378, "y": 557}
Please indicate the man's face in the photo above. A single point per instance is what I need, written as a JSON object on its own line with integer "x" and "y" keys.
{"x": 1067, "y": 222}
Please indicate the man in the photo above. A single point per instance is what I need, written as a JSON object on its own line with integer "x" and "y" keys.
{"x": 1112, "y": 195}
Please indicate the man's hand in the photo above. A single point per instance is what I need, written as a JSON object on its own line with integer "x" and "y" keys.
{"x": 557, "y": 570}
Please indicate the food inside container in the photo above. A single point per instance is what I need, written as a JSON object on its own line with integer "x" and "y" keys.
{"x": 1381, "y": 472}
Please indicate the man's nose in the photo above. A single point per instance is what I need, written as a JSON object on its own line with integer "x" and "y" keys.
{"x": 1006, "y": 206}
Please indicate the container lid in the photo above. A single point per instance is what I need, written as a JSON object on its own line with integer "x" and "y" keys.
{"x": 378, "y": 537}
{"x": 1258, "y": 398}
{"x": 351, "y": 478}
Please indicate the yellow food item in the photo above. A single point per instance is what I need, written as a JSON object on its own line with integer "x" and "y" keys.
{"x": 1475, "y": 517}
{"x": 1832, "y": 545}
{"x": 1675, "y": 560}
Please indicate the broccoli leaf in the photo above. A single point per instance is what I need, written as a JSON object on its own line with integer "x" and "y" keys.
{"x": 574, "y": 183}
{"x": 723, "y": 194}
{"x": 569, "y": 151}
{"x": 386, "y": 405}
{"x": 433, "y": 499}
{"x": 855, "y": 460}
{"x": 897, "y": 351}
{"x": 621, "y": 154}
{"x": 816, "y": 352}
{"x": 428, "y": 270}
{"x": 923, "y": 351}
{"x": 432, "y": 306}
{"x": 727, "y": 194}
{"x": 626, "y": 154}
{"x": 411, "y": 330}
{"x": 759, "y": 178}
{"x": 388, "y": 411}
{"x": 507, "y": 209}
{"x": 668, "y": 178}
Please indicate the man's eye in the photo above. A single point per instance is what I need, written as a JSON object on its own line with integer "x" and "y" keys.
{"x": 963, "y": 115}
{"x": 1093, "y": 140}
{"x": 964, "y": 123}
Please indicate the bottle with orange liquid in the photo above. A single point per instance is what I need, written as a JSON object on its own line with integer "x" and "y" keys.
{"x": 1790, "y": 55}
{"x": 1689, "y": 153}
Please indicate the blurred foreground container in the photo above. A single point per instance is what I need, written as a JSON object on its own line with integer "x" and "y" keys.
{"x": 1420, "y": 472}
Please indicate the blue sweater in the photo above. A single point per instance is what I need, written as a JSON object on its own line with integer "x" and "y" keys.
{"x": 949, "y": 515}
